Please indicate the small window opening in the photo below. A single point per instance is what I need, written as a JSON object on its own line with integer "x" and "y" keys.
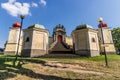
{"x": 27, "y": 39}
{"x": 93, "y": 40}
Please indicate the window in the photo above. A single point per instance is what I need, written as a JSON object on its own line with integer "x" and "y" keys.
{"x": 93, "y": 40}
{"x": 27, "y": 39}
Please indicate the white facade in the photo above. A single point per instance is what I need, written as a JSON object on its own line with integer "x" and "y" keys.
{"x": 12, "y": 43}
{"x": 105, "y": 34}
{"x": 85, "y": 42}
{"x": 35, "y": 41}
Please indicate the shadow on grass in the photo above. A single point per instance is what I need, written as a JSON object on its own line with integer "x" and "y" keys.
{"x": 8, "y": 71}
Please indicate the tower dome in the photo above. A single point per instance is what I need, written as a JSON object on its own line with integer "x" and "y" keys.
{"x": 16, "y": 25}
{"x": 83, "y": 26}
{"x": 37, "y": 26}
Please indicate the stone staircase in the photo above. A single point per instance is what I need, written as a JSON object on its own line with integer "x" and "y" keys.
{"x": 52, "y": 45}
{"x": 60, "y": 50}
{"x": 60, "y": 47}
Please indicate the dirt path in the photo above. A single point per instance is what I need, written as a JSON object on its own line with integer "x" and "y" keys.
{"x": 70, "y": 67}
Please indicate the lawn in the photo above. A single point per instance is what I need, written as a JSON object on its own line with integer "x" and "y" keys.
{"x": 91, "y": 68}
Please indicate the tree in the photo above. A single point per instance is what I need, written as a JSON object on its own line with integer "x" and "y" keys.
{"x": 116, "y": 38}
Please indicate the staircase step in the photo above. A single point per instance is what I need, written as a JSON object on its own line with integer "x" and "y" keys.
{"x": 60, "y": 47}
{"x": 59, "y": 55}
{"x": 61, "y": 52}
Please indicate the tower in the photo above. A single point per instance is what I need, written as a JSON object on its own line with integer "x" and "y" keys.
{"x": 59, "y": 43}
{"x": 12, "y": 43}
{"x": 105, "y": 38}
{"x": 85, "y": 41}
{"x": 35, "y": 41}
{"x": 59, "y": 33}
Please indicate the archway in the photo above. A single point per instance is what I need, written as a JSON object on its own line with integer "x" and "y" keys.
{"x": 59, "y": 38}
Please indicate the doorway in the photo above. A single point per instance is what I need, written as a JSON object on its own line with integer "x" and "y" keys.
{"x": 59, "y": 39}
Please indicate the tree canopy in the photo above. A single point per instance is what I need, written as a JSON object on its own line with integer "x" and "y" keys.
{"x": 116, "y": 37}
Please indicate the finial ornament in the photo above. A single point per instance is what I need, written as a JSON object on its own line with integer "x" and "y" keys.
{"x": 101, "y": 23}
{"x": 100, "y": 19}
{"x": 22, "y": 16}
{"x": 16, "y": 25}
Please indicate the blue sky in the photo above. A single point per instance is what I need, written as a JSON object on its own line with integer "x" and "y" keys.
{"x": 49, "y": 13}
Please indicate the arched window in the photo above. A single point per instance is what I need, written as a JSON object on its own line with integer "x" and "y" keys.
{"x": 27, "y": 39}
{"x": 93, "y": 40}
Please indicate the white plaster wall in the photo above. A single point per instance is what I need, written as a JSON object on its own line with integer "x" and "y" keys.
{"x": 106, "y": 35}
{"x": 93, "y": 45}
{"x": 13, "y": 35}
{"x": 40, "y": 40}
{"x": 80, "y": 39}
{"x": 69, "y": 40}
{"x": 27, "y": 45}
{"x": 13, "y": 40}
{"x": 109, "y": 46}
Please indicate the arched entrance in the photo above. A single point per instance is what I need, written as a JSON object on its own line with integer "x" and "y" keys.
{"x": 59, "y": 38}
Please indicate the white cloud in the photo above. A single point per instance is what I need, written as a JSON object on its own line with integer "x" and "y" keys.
{"x": 43, "y": 2}
{"x": 11, "y": 1}
{"x": 34, "y": 4}
{"x": 16, "y": 8}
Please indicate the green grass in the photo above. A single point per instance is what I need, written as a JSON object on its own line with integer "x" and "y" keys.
{"x": 11, "y": 58}
{"x": 110, "y": 57}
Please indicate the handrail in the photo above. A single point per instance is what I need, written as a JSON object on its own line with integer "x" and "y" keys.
{"x": 52, "y": 45}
